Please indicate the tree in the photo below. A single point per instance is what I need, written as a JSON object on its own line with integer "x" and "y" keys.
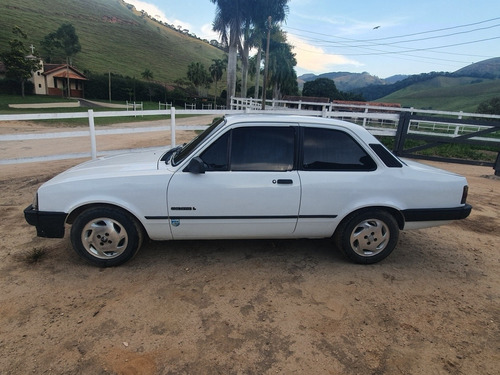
{"x": 147, "y": 74}
{"x": 321, "y": 87}
{"x": 228, "y": 22}
{"x": 216, "y": 70}
{"x": 18, "y": 66}
{"x": 197, "y": 75}
{"x": 282, "y": 75}
{"x": 62, "y": 43}
{"x": 273, "y": 12}
{"x": 491, "y": 106}
{"x": 233, "y": 19}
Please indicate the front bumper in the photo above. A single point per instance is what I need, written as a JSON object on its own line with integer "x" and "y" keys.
{"x": 48, "y": 224}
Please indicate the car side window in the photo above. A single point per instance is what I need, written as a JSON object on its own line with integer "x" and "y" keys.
{"x": 333, "y": 150}
{"x": 216, "y": 155}
{"x": 263, "y": 148}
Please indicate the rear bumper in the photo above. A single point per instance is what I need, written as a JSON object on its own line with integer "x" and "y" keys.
{"x": 48, "y": 224}
{"x": 437, "y": 214}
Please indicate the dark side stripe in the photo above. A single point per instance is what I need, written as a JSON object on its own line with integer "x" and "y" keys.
{"x": 240, "y": 217}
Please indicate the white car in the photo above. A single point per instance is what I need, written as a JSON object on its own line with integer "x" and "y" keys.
{"x": 250, "y": 176}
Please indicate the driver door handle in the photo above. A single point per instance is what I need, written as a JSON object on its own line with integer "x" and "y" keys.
{"x": 285, "y": 182}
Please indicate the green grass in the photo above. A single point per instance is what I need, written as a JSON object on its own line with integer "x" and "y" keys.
{"x": 113, "y": 38}
{"x": 456, "y": 151}
{"x": 446, "y": 94}
{"x": 5, "y": 100}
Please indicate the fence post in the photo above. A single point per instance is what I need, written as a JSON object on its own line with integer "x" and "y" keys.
{"x": 172, "y": 126}
{"x": 93, "y": 145}
{"x": 497, "y": 165}
{"x": 364, "y": 119}
{"x": 399, "y": 140}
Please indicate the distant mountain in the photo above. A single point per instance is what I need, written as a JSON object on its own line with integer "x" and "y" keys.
{"x": 373, "y": 87}
{"x": 473, "y": 74}
{"x": 396, "y": 78}
{"x": 484, "y": 69}
{"x": 447, "y": 93}
{"x": 347, "y": 82}
{"x": 344, "y": 81}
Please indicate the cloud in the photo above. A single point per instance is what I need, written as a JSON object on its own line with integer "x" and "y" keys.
{"x": 157, "y": 13}
{"x": 207, "y": 32}
{"x": 150, "y": 9}
{"x": 315, "y": 60}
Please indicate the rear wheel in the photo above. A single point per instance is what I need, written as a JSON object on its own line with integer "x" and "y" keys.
{"x": 106, "y": 236}
{"x": 367, "y": 236}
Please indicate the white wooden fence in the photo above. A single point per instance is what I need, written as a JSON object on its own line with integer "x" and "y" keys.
{"x": 378, "y": 120}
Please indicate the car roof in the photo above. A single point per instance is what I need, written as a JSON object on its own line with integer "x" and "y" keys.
{"x": 357, "y": 129}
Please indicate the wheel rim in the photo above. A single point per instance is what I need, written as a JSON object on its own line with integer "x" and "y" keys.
{"x": 104, "y": 238}
{"x": 370, "y": 237}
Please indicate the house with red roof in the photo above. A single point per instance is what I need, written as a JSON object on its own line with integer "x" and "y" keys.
{"x": 53, "y": 79}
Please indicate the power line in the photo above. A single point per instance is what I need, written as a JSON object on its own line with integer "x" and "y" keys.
{"x": 420, "y": 39}
{"x": 404, "y": 51}
{"x": 393, "y": 37}
{"x": 423, "y": 49}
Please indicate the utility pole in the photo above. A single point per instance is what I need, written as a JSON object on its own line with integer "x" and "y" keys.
{"x": 109, "y": 85}
{"x": 266, "y": 67}
{"x": 67, "y": 76}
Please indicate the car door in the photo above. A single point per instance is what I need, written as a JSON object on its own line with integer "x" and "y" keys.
{"x": 249, "y": 188}
{"x": 336, "y": 174}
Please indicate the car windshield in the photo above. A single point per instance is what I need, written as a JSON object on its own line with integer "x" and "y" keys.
{"x": 183, "y": 152}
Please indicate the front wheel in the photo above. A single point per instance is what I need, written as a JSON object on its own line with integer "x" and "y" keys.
{"x": 367, "y": 236}
{"x": 106, "y": 236}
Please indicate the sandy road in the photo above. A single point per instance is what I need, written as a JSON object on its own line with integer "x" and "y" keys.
{"x": 251, "y": 307}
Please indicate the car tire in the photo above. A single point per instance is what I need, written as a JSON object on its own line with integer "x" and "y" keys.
{"x": 367, "y": 236}
{"x": 106, "y": 236}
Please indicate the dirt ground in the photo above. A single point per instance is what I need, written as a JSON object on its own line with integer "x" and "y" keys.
{"x": 249, "y": 307}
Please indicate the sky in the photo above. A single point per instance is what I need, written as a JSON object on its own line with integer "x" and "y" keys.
{"x": 381, "y": 37}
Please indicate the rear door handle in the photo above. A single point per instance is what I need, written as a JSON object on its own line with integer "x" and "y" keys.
{"x": 285, "y": 182}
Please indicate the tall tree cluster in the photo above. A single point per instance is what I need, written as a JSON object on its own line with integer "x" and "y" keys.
{"x": 19, "y": 66}
{"x": 247, "y": 24}
{"x": 61, "y": 45}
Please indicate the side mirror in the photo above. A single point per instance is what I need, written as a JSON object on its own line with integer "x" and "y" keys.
{"x": 196, "y": 166}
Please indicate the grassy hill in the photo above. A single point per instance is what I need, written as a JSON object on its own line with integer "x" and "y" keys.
{"x": 447, "y": 93}
{"x": 113, "y": 37}
{"x": 344, "y": 81}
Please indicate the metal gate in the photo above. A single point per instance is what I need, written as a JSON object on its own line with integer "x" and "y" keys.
{"x": 436, "y": 131}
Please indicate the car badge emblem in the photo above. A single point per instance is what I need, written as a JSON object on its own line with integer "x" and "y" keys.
{"x": 175, "y": 222}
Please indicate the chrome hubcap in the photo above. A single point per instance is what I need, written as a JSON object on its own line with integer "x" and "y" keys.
{"x": 104, "y": 238}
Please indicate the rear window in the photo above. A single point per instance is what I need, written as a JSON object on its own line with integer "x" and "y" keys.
{"x": 386, "y": 156}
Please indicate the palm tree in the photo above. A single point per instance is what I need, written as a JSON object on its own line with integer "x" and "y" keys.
{"x": 216, "y": 70}
{"x": 233, "y": 19}
{"x": 281, "y": 65}
{"x": 147, "y": 74}
{"x": 271, "y": 13}
{"x": 228, "y": 21}
{"x": 197, "y": 75}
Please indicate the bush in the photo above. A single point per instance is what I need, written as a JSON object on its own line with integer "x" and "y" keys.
{"x": 126, "y": 88}
{"x": 11, "y": 87}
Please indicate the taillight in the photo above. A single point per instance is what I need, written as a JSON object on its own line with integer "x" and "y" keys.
{"x": 464, "y": 194}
